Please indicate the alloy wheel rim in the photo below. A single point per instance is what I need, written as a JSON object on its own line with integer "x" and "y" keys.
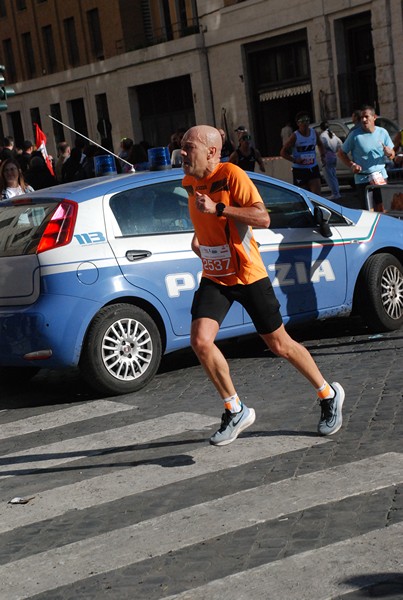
{"x": 127, "y": 349}
{"x": 392, "y": 292}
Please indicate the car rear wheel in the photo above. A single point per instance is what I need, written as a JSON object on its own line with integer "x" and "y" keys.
{"x": 122, "y": 350}
{"x": 381, "y": 293}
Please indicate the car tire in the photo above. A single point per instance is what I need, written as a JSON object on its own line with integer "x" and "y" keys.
{"x": 381, "y": 293}
{"x": 122, "y": 350}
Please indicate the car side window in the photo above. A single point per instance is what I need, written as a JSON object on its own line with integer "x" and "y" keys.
{"x": 335, "y": 217}
{"x": 287, "y": 209}
{"x": 152, "y": 209}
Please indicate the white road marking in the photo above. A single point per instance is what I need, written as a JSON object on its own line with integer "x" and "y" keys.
{"x": 65, "y": 416}
{"x": 51, "y": 455}
{"x": 323, "y": 574}
{"x": 142, "y": 477}
{"x": 196, "y": 524}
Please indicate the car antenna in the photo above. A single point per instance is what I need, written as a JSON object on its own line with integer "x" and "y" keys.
{"x": 92, "y": 142}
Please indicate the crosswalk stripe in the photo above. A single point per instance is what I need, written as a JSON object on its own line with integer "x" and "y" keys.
{"x": 65, "y": 416}
{"x": 322, "y": 574}
{"x": 58, "y": 453}
{"x": 196, "y": 524}
{"x": 126, "y": 482}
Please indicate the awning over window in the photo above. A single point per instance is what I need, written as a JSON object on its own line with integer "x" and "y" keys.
{"x": 285, "y": 92}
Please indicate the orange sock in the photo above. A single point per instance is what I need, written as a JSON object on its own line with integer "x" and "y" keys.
{"x": 233, "y": 403}
{"x": 326, "y": 391}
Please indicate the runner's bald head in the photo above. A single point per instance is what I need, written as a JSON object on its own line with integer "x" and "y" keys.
{"x": 201, "y": 150}
{"x": 207, "y": 135}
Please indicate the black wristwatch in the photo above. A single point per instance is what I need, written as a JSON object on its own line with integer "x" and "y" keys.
{"x": 219, "y": 209}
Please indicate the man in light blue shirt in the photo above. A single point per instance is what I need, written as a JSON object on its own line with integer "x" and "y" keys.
{"x": 369, "y": 147}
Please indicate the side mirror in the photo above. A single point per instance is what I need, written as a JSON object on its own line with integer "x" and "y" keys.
{"x": 322, "y": 217}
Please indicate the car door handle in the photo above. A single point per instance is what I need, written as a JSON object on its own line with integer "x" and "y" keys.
{"x": 133, "y": 255}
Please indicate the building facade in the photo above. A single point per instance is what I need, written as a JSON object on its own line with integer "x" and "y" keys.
{"x": 142, "y": 68}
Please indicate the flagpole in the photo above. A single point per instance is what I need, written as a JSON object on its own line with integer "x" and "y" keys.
{"x": 92, "y": 141}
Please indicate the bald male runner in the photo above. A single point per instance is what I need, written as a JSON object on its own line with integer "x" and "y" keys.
{"x": 224, "y": 205}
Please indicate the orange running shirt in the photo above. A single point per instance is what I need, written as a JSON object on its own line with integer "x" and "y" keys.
{"x": 230, "y": 254}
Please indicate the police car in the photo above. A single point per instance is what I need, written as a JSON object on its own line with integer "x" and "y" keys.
{"x": 99, "y": 273}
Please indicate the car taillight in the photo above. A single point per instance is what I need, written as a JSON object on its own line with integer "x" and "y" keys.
{"x": 59, "y": 230}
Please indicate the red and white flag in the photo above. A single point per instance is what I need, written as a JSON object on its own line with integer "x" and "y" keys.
{"x": 40, "y": 143}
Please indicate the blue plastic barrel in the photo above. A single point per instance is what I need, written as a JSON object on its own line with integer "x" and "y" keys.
{"x": 159, "y": 158}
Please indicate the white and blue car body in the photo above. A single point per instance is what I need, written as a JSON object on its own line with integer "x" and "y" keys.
{"x": 100, "y": 273}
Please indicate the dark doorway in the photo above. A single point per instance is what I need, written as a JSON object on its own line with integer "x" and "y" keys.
{"x": 274, "y": 114}
{"x": 164, "y": 107}
{"x": 35, "y": 118}
{"x": 279, "y": 85}
{"x": 78, "y": 115}
{"x": 16, "y": 124}
{"x": 104, "y": 126}
{"x": 58, "y": 130}
{"x": 357, "y": 74}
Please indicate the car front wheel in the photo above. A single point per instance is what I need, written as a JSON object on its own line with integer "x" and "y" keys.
{"x": 381, "y": 293}
{"x": 122, "y": 350}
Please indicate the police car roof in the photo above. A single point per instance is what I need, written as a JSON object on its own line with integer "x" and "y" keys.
{"x": 86, "y": 189}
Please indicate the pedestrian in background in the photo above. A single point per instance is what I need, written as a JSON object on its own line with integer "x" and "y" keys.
{"x": 26, "y": 155}
{"x": 285, "y": 132}
{"x": 176, "y": 139}
{"x": 126, "y": 145}
{"x": 246, "y": 156}
{"x": 7, "y": 151}
{"x": 38, "y": 174}
{"x": 88, "y": 165}
{"x": 369, "y": 147}
{"x": 356, "y": 119}
{"x": 72, "y": 169}
{"x": 224, "y": 205}
{"x": 12, "y": 182}
{"x": 332, "y": 145}
{"x": 138, "y": 157}
{"x": 63, "y": 153}
{"x": 300, "y": 149}
{"x": 398, "y": 148}
{"x": 227, "y": 146}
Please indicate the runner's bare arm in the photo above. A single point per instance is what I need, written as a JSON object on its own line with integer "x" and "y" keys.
{"x": 196, "y": 246}
{"x": 255, "y": 215}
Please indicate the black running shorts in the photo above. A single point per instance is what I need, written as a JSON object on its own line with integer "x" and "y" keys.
{"x": 303, "y": 176}
{"x": 213, "y": 301}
